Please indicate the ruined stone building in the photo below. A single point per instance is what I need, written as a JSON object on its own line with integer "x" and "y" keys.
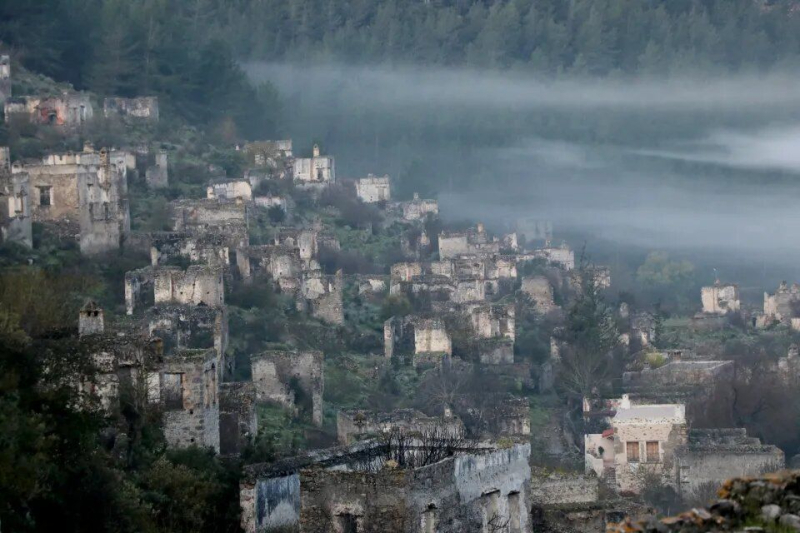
{"x": 540, "y": 290}
{"x": 472, "y": 242}
{"x": 365, "y": 488}
{"x": 230, "y": 190}
{"x": 677, "y": 377}
{"x": 266, "y": 153}
{"x": 203, "y": 218}
{"x": 282, "y": 264}
{"x": 70, "y": 109}
{"x": 269, "y": 201}
{"x": 140, "y": 108}
{"x": 5, "y": 78}
{"x": 373, "y": 189}
{"x": 198, "y": 285}
{"x": 655, "y": 440}
{"x": 720, "y": 299}
{"x": 562, "y": 256}
{"x": 494, "y": 325}
{"x": 238, "y": 420}
{"x": 419, "y": 209}
{"x": 157, "y": 175}
{"x": 290, "y": 378}
{"x": 314, "y": 170}
{"x": 417, "y": 339}
{"x": 358, "y": 424}
{"x": 320, "y": 296}
{"x": 81, "y": 194}
{"x": 783, "y": 307}
{"x": 15, "y": 190}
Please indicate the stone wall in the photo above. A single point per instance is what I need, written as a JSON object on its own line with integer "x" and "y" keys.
{"x": 230, "y": 190}
{"x": 720, "y": 299}
{"x": 187, "y": 388}
{"x": 373, "y": 189}
{"x": 238, "y": 423}
{"x": 142, "y": 107}
{"x": 541, "y": 292}
{"x": 419, "y": 209}
{"x": 157, "y": 175}
{"x": 69, "y": 110}
{"x": 16, "y": 222}
{"x": 197, "y": 285}
{"x": 321, "y": 296}
{"x": 554, "y": 488}
{"x": 352, "y": 424}
{"x": 282, "y": 376}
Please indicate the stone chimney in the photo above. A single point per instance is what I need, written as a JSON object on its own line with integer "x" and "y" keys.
{"x": 481, "y": 228}
{"x": 316, "y": 150}
{"x": 90, "y": 319}
{"x": 88, "y": 147}
{"x": 626, "y": 402}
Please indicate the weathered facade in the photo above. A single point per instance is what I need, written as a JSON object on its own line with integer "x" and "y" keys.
{"x": 5, "y": 78}
{"x": 419, "y": 209}
{"x": 357, "y": 490}
{"x": 783, "y": 306}
{"x": 290, "y": 378}
{"x": 540, "y": 290}
{"x": 230, "y": 190}
{"x": 420, "y": 339}
{"x": 186, "y": 387}
{"x": 15, "y": 218}
{"x": 238, "y": 423}
{"x": 205, "y": 217}
{"x": 139, "y": 108}
{"x": 315, "y": 170}
{"x": 473, "y": 242}
{"x": 720, "y": 299}
{"x": 373, "y": 189}
{"x": 320, "y": 295}
{"x": 157, "y": 175}
{"x": 69, "y": 110}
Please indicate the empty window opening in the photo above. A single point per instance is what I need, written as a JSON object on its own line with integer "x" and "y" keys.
{"x": 45, "y": 197}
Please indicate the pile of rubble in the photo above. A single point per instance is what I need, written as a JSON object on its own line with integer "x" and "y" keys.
{"x": 768, "y": 503}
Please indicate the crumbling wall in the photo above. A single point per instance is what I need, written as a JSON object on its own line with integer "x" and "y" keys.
{"x": 139, "y": 289}
{"x": 5, "y": 78}
{"x": 16, "y": 223}
{"x": 70, "y": 110}
{"x": 713, "y": 455}
{"x": 187, "y": 327}
{"x": 294, "y": 379}
{"x": 419, "y": 209}
{"x": 142, "y": 107}
{"x": 222, "y": 217}
{"x": 373, "y": 189}
{"x": 321, "y": 296}
{"x": 197, "y": 285}
{"x": 230, "y": 190}
{"x": 541, "y": 292}
{"x": 157, "y": 176}
{"x": 354, "y": 423}
{"x": 720, "y": 299}
{"x": 238, "y": 424}
{"x": 315, "y": 170}
{"x": 552, "y": 488}
{"x": 187, "y": 388}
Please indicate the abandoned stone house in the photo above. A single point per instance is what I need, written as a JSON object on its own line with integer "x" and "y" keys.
{"x": 364, "y": 488}
{"x": 5, "y": 78}
{"x": 561, "y": 256}
{"x": 269, "y": 201}
{"x": 655, "y": 440}
{"x": 174, "y": 248}
{"x": 238, "y": 420}
{"x": 494, "y": 326}
{"x": 358, "y": 424}
{"x": 230, "y": 190}
{"x": 720, "y": 299}
{"x": 281, "y": 264}
{"x": 472, "y": 242}
{"x": 370, "y": 284}
{"x": 373, "y": 189}
{"x": 290, "y": 378}
{"x": 417, "y": 339}
{"x": 87, "y": 200}
{"x": 783, "y": 307}
{"x": 540, "y": 290}
{"x": 266, "y": 153}
{"x": 157, "y": 174}
{"x": 139, "y": 108}
{"x": 198, "y": 285}
{"x": 789, "y": 366}
{"x": 16, "y": 220}
{"x": 314, "y": 170}
{"x": 219, "y": 217}
{"x": 310, "y": 242}
{"x": 320, "y": 296}
{"x": 419, "y": 209}
{"x": 70, "y": 109}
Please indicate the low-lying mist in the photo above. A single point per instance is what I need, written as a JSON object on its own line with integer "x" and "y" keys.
{"x": 704, "y": 168}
